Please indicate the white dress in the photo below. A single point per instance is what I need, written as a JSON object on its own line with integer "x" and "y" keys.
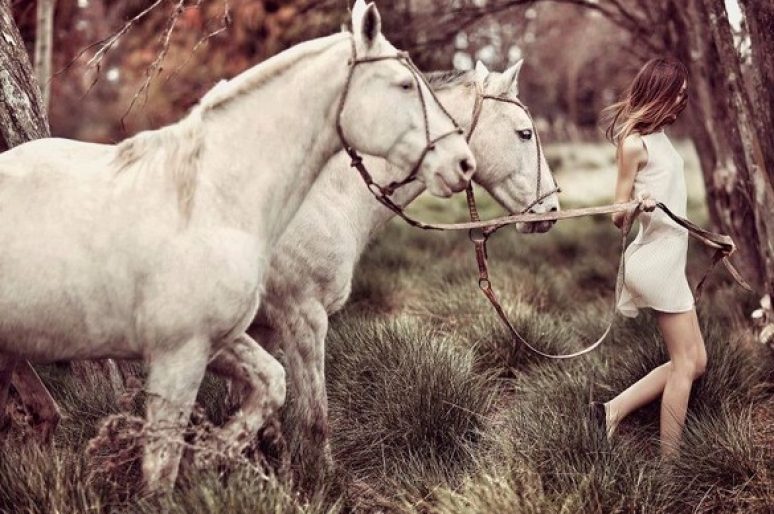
{"x": 655, "y": 260}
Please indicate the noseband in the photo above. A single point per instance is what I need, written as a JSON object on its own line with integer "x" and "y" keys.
{"x": 478, "y": 106}
{"x": 382, "y": 193}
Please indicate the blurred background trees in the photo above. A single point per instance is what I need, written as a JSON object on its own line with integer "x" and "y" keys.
{"x": 579, "y": 55}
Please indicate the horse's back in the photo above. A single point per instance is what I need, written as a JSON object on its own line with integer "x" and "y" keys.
{"x": 50, "y": 188}
{"x": 46, "y": 172}
{"x": 59, "y": 154}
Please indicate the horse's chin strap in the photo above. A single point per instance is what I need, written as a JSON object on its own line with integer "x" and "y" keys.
{"x": 383, "y": 193}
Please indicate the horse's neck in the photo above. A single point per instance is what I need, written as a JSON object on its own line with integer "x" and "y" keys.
{"x": 266, "y": 148}
{"x": 371, "y": 215}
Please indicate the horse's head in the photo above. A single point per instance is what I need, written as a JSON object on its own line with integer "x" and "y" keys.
{"x": 511, "y": 163}
{"x": 389, "y": 111}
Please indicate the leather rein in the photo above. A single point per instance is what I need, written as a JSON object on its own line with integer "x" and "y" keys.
{"x": 479, "y": 230}
{"x": 479, "y": 233}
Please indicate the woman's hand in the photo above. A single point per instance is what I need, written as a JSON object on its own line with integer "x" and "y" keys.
{"x": 647, "y": 203}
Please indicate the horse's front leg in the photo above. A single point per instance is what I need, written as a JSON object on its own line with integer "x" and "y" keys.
{"x": 303, "y": 342}
{"x": 262, "y": 386}
{"x": 174, "y": 377}
{"x": 36, "y": 399}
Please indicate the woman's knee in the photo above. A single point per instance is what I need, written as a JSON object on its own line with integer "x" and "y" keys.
{"x": 700, "y": 361}
{"x": 684, "y": 368}
{"x": 690, "y": 366}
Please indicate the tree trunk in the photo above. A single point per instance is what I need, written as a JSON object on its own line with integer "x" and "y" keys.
{"x": 22, "y": 118}
{"x": 759, "y": 17}
{"x": 22, "y": 113}
{"x": 746, "y": 144}
{"x": 725, "y": 139}
{"x": 44, "y": 39}
{"x": 37, "y": 401}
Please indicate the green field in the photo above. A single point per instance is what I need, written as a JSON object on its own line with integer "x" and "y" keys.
{"x": 433, "y": 408}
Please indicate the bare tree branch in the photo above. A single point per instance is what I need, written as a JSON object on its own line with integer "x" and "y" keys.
{"x": 155, "y": 67}
{"x": 226, "y": 23}
{"x": 43, "y": 42}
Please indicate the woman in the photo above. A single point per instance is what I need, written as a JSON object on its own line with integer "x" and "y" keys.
{"x": 655, "y": 261}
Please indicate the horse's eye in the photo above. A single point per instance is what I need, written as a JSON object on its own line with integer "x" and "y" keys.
{"x": 407, "y": 85}
{"x": 525, "y": 134}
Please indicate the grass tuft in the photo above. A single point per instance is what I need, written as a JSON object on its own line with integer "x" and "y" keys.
{"x": 435, "y": 410}
{"x": 407, "y": 405}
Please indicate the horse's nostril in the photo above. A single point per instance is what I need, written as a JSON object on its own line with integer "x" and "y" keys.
{"x": 465, "y": 165}
{"x": 554, "y": 209}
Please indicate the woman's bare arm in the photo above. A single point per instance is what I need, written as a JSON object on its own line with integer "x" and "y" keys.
{"x": 633, "y": 157}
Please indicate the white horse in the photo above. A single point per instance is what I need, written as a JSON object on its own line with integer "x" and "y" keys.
{"x": 157, "y": 248}
{"x": 311, "y": 268}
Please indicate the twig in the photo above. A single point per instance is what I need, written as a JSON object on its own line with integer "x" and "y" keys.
{"x": 155, "y": 66}
{"x": 110, "y": 41}
{"x": 226, "y": 23}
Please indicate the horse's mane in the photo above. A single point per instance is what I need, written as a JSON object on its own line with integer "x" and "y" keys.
{"x": 177, "y": 148}
{"x": 439, "y": 80}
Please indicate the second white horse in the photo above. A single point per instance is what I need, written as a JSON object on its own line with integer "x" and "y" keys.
{"x": 311, "y": 269}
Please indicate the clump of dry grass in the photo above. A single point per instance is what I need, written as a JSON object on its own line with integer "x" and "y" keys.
{"x": 407, "y": 406}
{"x": 435, "y": 410}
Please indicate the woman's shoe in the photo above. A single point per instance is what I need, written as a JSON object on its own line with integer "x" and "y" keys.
{"x": 598, "y": 418}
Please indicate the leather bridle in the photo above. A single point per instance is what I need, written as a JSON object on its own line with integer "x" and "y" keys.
{"x": 479, "y": 231}
{"x": 484, "y": 233}
{"x": 383, "y": 193}
{"x": 478, "y": 106}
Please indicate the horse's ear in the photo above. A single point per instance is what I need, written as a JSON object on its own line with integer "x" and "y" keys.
{"x": 510, "y": 79}
{"x": 366, "y": 22}
{"x": 481, "y": 72}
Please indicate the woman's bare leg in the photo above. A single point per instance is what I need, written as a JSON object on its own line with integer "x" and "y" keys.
{"x": 688, "y": 356}
{"x": 645, "y": 390}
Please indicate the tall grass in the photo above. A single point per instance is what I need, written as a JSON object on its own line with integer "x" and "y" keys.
{"x": 407, "y": 406}
{"x": 434, "y": 409}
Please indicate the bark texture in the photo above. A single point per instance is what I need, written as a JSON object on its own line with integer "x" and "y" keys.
{"x": 44, "y": 40}
{"x": 739, "y": 190}
{"x": 22, "y": 113}
{"x": 759, "y": 17}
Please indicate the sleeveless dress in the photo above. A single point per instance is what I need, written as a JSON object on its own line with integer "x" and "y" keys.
{"x": 655, "y": 260}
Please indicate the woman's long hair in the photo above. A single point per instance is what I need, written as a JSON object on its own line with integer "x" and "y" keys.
{"x": 650, "y": 102}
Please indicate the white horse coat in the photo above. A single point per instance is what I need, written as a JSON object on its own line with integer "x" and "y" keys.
{"x": 156, "y": 248}
{"x": 312, "y": 266}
